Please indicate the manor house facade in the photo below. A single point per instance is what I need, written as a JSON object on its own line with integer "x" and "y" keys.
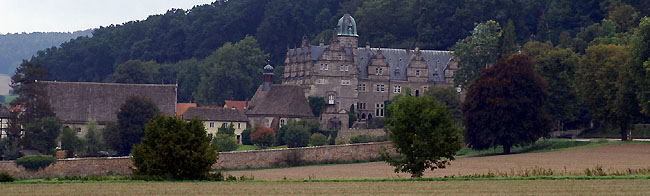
{"x": 346, "y": 75}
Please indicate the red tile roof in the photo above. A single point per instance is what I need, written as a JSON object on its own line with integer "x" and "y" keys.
{"x": 182, "y": 107}
{"x": 240, "y": 105}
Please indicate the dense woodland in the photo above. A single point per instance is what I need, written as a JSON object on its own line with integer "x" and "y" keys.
{"x": 216, "y": 52}
{"x": 14, "y": 47}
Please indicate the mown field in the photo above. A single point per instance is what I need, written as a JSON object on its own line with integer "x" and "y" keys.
{"x": 611, "y": 158}
{"x": 481, "y": 187}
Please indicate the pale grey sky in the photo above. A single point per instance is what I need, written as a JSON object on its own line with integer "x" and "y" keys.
{"x": 18, "y": 16}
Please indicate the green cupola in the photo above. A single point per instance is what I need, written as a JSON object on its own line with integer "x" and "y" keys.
{"x": 347, "y": 26}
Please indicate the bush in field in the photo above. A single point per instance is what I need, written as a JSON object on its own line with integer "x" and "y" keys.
{"x": 263, "y": 137}
{"x": 318, "y": 139}
{"x": 174, "y": 148}
{"x": 297, "y": 136}
{"x": 6, "y": 177}
{"x": 246, "y": 137}
{"x": 35, "y": 162}
{"x": 361, "y": 138}
{"x": 224, "y": 142}
{"x": 423, "y": 132}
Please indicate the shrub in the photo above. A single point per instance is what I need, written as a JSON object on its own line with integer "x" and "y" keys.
{"x": 280, "y": 138}
{"x": 246, "y": 137}
{"x": 340, "y": 142}
{"x": 174, "y": 148}
{"x": 297, "y": 136}
{"x": 224, "y": 142}
{"x": 263, "y": 137}
{"x": 318, "y": 139}
{"x": 361, "y": 138}
{"x": 6, "y": 177}
{"x": 377, "y": 122}
{"x": 35, "y": 162}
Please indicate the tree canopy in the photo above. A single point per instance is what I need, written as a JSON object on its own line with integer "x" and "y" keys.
{"x": 506, "y": 105}
{"x": 134, "y": 113}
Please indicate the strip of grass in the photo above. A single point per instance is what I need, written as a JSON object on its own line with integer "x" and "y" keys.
{"x": 544, "y": 145}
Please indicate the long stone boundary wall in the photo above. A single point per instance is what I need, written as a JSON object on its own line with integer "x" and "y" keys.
{"x": 227, "y": 160}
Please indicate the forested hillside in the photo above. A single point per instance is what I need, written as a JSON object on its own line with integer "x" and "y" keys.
{"x": 16, "y": 47}
{"x": 175, "y": 44}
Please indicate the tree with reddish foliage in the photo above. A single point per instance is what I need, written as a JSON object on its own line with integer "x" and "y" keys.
{"x": 263, "y": 137}
{"x": 506, "y": 105}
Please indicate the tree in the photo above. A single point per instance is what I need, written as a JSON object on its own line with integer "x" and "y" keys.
{"x": 509, "y": 44}
{"x": 224, "y": 142}
{"x": 558, "y": 67}
{"x": 227, "y": 129}
{"x": 450, "y": 98}
{"x": 41, "y": 134}
{"x": 174, "y": 148}
{"x": 316, "y": 104}
{"x": 92, "y": 139}
{"x": 297, "y": 135}
{"x": 625, "y": 17}
{"x": 135, "y": 72}
{"x": 477, "y": 52}
{"x": 24, "y": 83}
{"x": 639, "y": 63}
{"x": 70, "y": 142}
{"x": 607, "y": 86}
{"x": 506, "y": 105}
{"x": 263, "y": 137}
{"x": 246, "y": 137}
{"x": 423, "y": 132}
{"x": 131, "y": 119}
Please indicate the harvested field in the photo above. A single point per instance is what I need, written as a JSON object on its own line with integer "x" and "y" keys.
{"x": 610, "y": 158}
{"x": 481, "y": 187}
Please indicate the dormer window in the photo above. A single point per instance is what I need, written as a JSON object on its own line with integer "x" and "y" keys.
{"x": 379, "y": 71}
{"x": 417, "y": 72}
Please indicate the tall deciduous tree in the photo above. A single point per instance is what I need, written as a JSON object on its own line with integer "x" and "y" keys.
{"x": 607, "y": 86}
{"x": 41, "y": 134}
{"x": 506, "y": 106}
{"x": 92, "y": 139}
{"x": 134, "y": 113}
{"x": 509, "y": 44}
{"x": 477, "y": 52}
{"x": 640, "y": 63}
{"x": 424, "y": 132}
{"x": 450, "y": 98}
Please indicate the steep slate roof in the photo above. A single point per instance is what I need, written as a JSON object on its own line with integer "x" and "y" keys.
{"x": 239, "y": 105}
{"x": 182, "y": 107}
{"x": 4, "y": 112}
{"x": 437, "y": 60}
{"x": 280, "y": 100}
{"x": 215, "y": 114}
{"x": 77, "y": 102}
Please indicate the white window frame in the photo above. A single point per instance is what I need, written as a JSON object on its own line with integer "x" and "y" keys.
{"x": 417, "y": 72}
{"x": 345, "y": 82}
{"x": 211, "y": 125}
{"x": 330, "y": 99}
{"x": 346, "y": 67}
{"x": 397, "y": 89}
{"x": 341, "y": 68}
{"x": 362, "y": 87}
{"x": 381, "y": 88}
{"x": 326, "y": 67}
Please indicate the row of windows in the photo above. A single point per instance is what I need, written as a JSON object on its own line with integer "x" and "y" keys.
{"x": 379, "y": 109}
{"x": 224, "y": 125}
{"x": 344, "y": 67}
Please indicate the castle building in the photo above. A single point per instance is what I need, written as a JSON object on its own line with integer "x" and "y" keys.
{"x": 346, "y": 75}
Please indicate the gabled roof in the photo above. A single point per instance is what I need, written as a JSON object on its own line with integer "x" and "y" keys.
{"x": 215, "y": 114}
{"x": 4, "y": 112}
{"x": 280, "y": 100}
{"x": 182, "y": 107}
{"x": 239, "y": 105}
{"x": 77, "y": 102}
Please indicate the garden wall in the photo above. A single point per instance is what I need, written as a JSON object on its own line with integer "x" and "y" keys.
{"x": 227, "y": 160}
{"x": 345, "y": 134}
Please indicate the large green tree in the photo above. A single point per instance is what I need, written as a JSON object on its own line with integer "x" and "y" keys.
{"x": 608, "y": 87}
{"x": 135, "y": 72}
{"x": 41, "y": 134}
{"x": 450, "y": 98}
{"x": 639, "y": 62}
{"x": 506, "y": 106}
{"x": 31, "y": 93}
{"x": 423, "y": 132}
{"x": 174, "y": 148}
{"x": 477, "y": 52}
{"x": 134, "y": 113}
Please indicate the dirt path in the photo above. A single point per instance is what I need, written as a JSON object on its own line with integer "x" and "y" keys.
{"x": 614, "y": 157}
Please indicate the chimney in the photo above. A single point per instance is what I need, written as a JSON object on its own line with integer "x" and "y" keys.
{"x": 268, "y": 77}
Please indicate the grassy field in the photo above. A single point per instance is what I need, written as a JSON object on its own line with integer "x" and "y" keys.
{"x": 476, "y": 187}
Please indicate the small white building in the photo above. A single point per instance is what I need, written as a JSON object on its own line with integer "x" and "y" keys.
{"x": 214, "y": 118}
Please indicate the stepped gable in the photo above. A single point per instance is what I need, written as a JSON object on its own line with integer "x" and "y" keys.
{"x": 78, "y": 102}
{"x": 436, "y": 60}
{"x": 280, "y": 100}
{"x": 215, "y": 114}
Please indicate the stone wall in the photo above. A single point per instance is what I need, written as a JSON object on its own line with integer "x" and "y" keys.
{"x": 227, "y": 160}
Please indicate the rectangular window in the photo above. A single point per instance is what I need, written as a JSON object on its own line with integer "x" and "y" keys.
{"x": 340, "y": 57}
{"x": 417, "y": 72}
{"x": 341, "y": 68}
{"x": 326, "y": 68}
{"x": 361, "y": 106}
{"x": 379, "y": 110}
{"x": 330, "y": 100}
{"x": 345, "y": 82}
{"x": 380, "y": 88}
{"x": 322, "y": 66}
{"x": 379, "y": 71}
{"x": 239, "y": 125}
{"x": 362, "y": 87}
{"x": 211, "y": 124}
{"x": 397, "y": 89}
{"x": 346, "y": 67}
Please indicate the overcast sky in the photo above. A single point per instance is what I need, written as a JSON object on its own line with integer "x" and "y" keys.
{"x": 71, "y": 15}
